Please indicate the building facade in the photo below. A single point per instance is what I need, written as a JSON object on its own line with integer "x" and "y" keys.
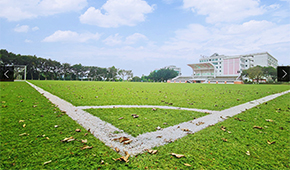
{"x": 222, "y": 67}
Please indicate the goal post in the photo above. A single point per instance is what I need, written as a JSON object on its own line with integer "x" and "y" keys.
{"x": 20, "y": 72}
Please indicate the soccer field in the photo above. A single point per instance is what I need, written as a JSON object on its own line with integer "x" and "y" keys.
{"x": 237, "y": 144}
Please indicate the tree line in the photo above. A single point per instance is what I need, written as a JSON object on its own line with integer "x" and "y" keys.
{"x": 46, "y": 69}
{"x": 258, "y": 72}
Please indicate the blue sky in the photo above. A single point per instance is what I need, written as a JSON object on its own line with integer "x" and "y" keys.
{"x": 144, "y": 35}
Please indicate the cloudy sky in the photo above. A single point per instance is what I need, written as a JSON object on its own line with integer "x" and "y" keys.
{"x": 142, "y": 35}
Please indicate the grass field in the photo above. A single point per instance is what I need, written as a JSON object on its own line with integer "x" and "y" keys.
{"x": 202, "y": 96}
{"x": 147, "y": 121}
{"x": 246, "y": 147}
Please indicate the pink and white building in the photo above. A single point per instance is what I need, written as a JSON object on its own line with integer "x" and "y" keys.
{"x": 228, "y": 68}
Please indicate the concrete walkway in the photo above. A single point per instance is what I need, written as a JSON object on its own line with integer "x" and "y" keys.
{"x": 105, "y": 131}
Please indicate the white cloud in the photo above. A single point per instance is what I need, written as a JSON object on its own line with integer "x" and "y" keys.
{"x": 116, "y": 39}
{"x": 117, "y": 13}
{"x": 28, "y": 41}
{"x": 35, "y": 29}
{"x": 251, "y": 36}
{"x": 22, "y": 28}
{"x": 113, "y": 40}
{"x": 15, "y": 10}
{"x": 132, "y": 39}
{"x": 224, "y": 10}
{"x": 70, "y": 36}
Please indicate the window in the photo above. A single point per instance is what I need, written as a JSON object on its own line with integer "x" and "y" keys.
{"x": 217, "y": 67}
{"x": 220, "y": 66}
{"x": 209, "y": 59}
{"x": 220, "y": 62}
{"x": 246, "y": 60}
{"x": 246, "y": 65}
{"x": 220, "y": 71}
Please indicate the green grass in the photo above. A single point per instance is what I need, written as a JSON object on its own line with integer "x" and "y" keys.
{"x": 148, "y": 119}
{"x": 18, "y": 152}
{"x": 203, "y": 96}
{"x": 203, "y": 150}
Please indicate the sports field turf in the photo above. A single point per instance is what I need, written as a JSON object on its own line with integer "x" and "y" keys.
{"x": 202, "y": 96}
{"x": 245, "y": 147}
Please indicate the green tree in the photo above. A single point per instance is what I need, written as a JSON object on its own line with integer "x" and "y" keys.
{"x": 254, "y": 73}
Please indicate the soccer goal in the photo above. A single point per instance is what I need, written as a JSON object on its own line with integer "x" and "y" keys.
{"x": 19, "y": 72}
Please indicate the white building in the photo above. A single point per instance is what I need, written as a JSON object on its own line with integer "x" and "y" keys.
{"x": 228, "y": 68}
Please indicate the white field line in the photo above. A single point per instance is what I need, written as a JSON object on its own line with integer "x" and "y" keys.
{"x": 146, "y": 106}
{"x": 105, "y": 131}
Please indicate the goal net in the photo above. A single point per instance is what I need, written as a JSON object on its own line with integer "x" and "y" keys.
{"x": 19, "y": 72}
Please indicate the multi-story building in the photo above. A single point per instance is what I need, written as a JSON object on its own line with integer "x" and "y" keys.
{"x": 229, "y": 68}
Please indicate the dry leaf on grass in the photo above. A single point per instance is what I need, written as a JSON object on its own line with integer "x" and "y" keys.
{"x": 225, "y": 140}
{"x": 47, "y": 162}
{"x": 121, "y": 118}
{"x": 24, "y": 134}
{"x": 20, "y": 121}
{"x": 152, "y": 151}
{"x": 123, "y": 158}
{"x": 68, "y": 139}
{"x": 223, "y": 128}
{"x": 84, "y": 141}
{"x": 24, "y": 125}
{"x": 270, "y": 142}
{"x": 55, "y": 126}
{"x": 187, "y": 164}
{"x": 248, "y": 153}
{"x": 34, "y": 106}
{"x": 78, "y": 130}
{"x": 177, "y": 155}
{"x": 158, "y": 128}
{"x": 86, "y": 147}
{"x": 135, "y": 115}
{"x": 154, "y": 109}
{"x": 47, "y": 138}
{"x": 269, "y": 120}
{"x": 238, "y": 119}
{"x": 258, "y": 127}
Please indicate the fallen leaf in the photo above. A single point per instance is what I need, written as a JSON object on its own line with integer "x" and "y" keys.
{"x": 121, "y": 118}
{"x": 86, "y": 147}
{"x": 47, "y": 138}
{"x": 270, "y": 142}
{"x": 20, "y": 121}
{"x": 165, "y": 123}
{"x": 68, "y": 139}
{"x": 135, "y": 115}
{"x": 229, "y": 132}
{"x": 199, "y": 123}
{"x": 125, "y": 159}
{"x": 102, "y": 162}
{"x": 269, "y": 120}
{"x": 225, "y": 140}
{"x": 47, "y": 162}
{"x": 177, "y": 155}
{"x": 127, "y": 142}
{"x": 159, "y": 137}
{"x": 34, "y": 106}
{"x": 238, "y": 119}
{"x": 152, "y": 151}
{"x": 117, "y": 149}
{"x": 55, "y": 126}
{"x": 258, "y": 127}
{"x": 154, "y": 109}
{"x": 78, "y": 130}
{"x": 122, "y": 139}
{"x": 248, "y": 153}
{"x": 138, "y": 125}
{"x": 185, "y": 129}
{"x": 187, "y": 164}
{"x": 24, "y": 125}
{"x": 85, "y": 134}
{"x": 21, "y": 100}
{"x": 281, "y": 128}
{"x": 84, "y": 141}
{"x": 223, "y": 128}
{"x": 158, "y": 128}
{"x": 23, "y": 134}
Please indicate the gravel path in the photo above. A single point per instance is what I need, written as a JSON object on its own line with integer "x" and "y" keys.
{"x": 105, "y": 131}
